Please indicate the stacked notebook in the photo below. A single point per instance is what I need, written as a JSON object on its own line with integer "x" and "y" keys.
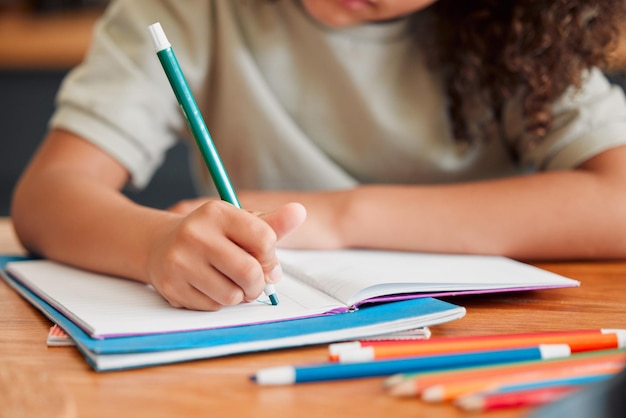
{"x": 325, "y": 296}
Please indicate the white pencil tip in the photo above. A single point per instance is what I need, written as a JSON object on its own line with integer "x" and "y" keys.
{"x": 549, "y": 351}
{"x": 358, "y": 355}
{"x": 159, "y": 40}
{"x": 337, "y": 348}
{"x": 275, "y": 376}
{"x": 470, "y": 403}
{"x": 433, "y": 394}
{"x": 621, "y": 338}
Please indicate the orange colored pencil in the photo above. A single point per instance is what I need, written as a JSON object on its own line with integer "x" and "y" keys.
{"x": 577, "y": 342}
{"x": 336, "y": 348}
{"x": 413, "y": 386}
{"x": 531, "y": 397}
{"x": 442, "y": 392}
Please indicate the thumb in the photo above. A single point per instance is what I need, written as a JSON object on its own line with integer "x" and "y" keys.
{"x": 285, "y": 219}
{"x": 282, "y": 220}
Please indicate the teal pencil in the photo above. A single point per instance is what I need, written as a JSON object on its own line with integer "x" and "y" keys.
{"x": 196, "y": 124}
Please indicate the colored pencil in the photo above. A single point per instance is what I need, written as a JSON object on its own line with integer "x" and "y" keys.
{"x": 196, "y": 124}
{"x": 421, "y": 379}
{"x": 336, "y": 371}
{"x": 336, "y": 348}
{"x": 531, "y": 397}
{"x": 517, "y": 381}
{"x": 578, "y": 343}
{"x": 412, "y": 384}
{"x": 565, "y": 381}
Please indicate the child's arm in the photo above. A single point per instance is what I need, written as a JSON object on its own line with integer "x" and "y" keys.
{"x": 68, "y": 207}
{"x": 577, "y": 213}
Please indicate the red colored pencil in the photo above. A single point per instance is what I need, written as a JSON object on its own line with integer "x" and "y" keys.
{"x": 531, "y": 397}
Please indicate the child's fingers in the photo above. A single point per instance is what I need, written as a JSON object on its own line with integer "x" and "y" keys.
{"x": 188, "y": 296}
{"x": 185, "y": 207}
{"x": 282, "y": 221}
{"x": 239, "y": 255}
{"x": 237, "y": 274}
{"x": 285, "y": 219}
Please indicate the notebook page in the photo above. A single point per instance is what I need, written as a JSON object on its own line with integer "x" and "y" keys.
{"x": 105, "y": 306}
{"x": 352, "y": 276}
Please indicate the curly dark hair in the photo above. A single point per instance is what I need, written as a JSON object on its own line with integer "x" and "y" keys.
{"x": 489, "y": 50}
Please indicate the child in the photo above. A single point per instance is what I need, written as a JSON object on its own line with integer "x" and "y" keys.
{"x": 446, "y": 126}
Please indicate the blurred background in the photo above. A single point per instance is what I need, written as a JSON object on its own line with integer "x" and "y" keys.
{"x": 40, "y": 40}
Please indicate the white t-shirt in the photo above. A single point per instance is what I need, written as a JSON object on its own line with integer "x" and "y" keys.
{"x": 292, "y": 104}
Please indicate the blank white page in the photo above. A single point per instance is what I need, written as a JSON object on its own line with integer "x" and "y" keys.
{"x": 351, "y": 276}
{"x": 106, "y": 306}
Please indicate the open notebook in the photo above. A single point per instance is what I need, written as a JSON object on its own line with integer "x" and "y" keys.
{"x": 148, "y": 349}
{"x": 354, "y": 277}
{"x": 315, "y": 283}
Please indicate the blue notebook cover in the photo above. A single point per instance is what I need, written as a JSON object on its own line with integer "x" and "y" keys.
{"x": 146, "y": 350}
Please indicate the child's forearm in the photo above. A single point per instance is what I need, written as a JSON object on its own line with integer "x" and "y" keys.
{"x": 487, "y": 219}
{"x": 555, "y": 215}
{"x": 77, "y": 220}
{"x": 68, "y": 207}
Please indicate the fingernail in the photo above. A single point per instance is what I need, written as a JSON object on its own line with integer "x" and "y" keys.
{"x": 275, "y": 275}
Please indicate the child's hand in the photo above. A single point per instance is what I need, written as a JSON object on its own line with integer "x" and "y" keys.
{"x": 219, "y": 255}
{"x": 185, "y": 207}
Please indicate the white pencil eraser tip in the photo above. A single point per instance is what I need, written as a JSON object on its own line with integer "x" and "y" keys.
{"x": 276, "y": 376}
{"x": 359, "y": 355}
{"x": 159, "y": 40}
{"x": 621, "y": 338}
{"x": 549, "y": 351}
{"x": 337, "y": 348}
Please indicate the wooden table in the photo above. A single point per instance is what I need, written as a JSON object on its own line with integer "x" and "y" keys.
{"x": 221, "y": 387}
{"x": 57, "y": 381}
{"x": 44, "y": 41}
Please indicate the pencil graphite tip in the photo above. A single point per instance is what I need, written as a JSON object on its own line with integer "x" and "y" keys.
{"x": 434, "y": 393}
{"x": 404, "y": 389}
{"x": 470, "y": 403}
{"x": 273, "y": 299}
{"x": 394, "y": 380}
{"x": 270, "y": 292}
